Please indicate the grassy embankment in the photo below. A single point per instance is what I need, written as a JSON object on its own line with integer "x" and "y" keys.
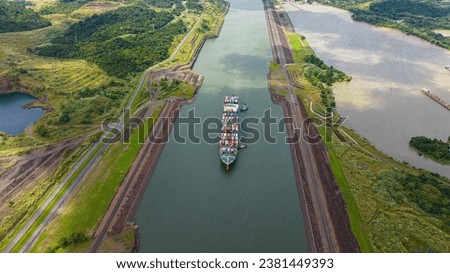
{"x": 392, "y": 206}
{"x": 106, "y": 177}
{"x": 84, "y": 211}
{"x": 207, "y": 25}
{"x": 54, "y": 82}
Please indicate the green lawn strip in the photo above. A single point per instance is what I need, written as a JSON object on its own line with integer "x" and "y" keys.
{"x": 351, "y": 205}
{"x": 135, "y": 81}
{"x": 301, "y": 49}
{"x": 47, "y": 210}
{"x": 299, "y": 45}
{"x": 87, "y": 207}
{"x": 140, "y": 98}
{"x": 353, "y": 211}
{"x": 48, "y": 192}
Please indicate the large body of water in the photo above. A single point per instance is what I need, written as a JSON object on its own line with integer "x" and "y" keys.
{"x": 192, "y": 203}
{"x": 13, "y": 118}
{"x": 383, "y": 101}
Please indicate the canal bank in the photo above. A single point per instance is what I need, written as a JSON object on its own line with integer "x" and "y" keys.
{"x": 325, "y": 213}
{"x": 388, "y": 69}
{"x": 192, "y": 204}
{"x": 118, "y": 220}
{"x": 382, "y": 198}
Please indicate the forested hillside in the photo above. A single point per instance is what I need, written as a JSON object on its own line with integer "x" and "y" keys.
{"x": 122, "y": 42}
{"x": 416, "y": 17}
{"x": 14, "y": 16}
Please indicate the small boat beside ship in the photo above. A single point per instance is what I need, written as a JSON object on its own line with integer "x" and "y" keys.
{"x": 229, "y": 137}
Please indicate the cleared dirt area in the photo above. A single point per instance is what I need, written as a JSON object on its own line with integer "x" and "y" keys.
{"x": 7, "y": 84}
{"x": 19, "y": 174}
{"x": 180, "y": 72}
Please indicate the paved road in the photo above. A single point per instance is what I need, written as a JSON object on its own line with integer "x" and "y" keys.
{"x": 328, "y": 240}
{"x": 83, "y": 173}
{"x": 52, "y": 196}
{"x": 146, "y": 72}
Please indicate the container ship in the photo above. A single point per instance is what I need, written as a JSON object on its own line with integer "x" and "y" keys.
{"x": 229, "y": 138}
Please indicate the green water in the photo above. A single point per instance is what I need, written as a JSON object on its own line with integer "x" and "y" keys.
{"x": 192, "y": 203}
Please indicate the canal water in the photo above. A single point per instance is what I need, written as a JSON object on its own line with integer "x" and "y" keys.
{"x": 383, "y": 101}
{"x": 13, "y": 118}
{"x": 192, "y": 203}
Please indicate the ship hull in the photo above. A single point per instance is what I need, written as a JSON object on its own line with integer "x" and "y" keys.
{"x": 229, "y": 138}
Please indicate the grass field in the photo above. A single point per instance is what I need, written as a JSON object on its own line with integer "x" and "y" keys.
{"x": 39, "y": 4}
{"x": 390, "y": 226}
{"x": 26, "y": 202}
{"x": 299, "y": 45}
{"x": 47, "y": 211}
{"x": 86, "y": 208}
{"x": 213, "y": 18}
{"x": 95, "y": 7}
{"x": 301, "y": 49}
{"x": 57, "y": 76}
